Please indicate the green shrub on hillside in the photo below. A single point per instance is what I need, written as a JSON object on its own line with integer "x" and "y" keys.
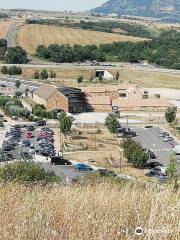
{"x": 22, "y": 172}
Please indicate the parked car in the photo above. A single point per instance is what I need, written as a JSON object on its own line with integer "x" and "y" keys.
{"x": 153, "y": 164}
{"x": 40, "y": 123}
{"x": 82, "y": 167}
{"x": 29, "y": 135}
{"x": 30, "y": 128}
{"x": 163, "y": 134}
{"x": 32, "y": 151}
{"x": 7, "y": 148}
{"x": 167, "y": 139}
{"x": 26, "y": 156}
{"x": 25, "y": 143}
{"x": 159, "y": 171}
{"x": 176, "y": 149}
{"x": 57, "y": 160}
{"x": 150, "y": 153}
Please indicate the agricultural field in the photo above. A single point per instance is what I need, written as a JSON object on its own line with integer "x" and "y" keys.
{"x": 30, "y": 36}
{"x": 4, "y": 27}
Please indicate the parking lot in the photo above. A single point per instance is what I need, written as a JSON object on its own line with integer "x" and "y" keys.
{"x": 22, "y": 142}
{"x": 150, "y": 139}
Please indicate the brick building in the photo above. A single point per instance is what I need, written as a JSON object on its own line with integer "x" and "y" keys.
{"x": 71, "y": 100}
{"x": 123, "y": 96}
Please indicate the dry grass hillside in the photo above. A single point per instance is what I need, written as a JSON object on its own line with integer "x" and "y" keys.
{"x": 30, "y": 36}
{"x": 68, "y": 76}
{"x": 101, "y": 211}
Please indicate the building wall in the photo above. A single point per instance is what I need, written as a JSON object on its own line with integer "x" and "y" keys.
{"x": 101, "y": 107}
{"x": 57, "y": 101}
{"x": 39, "y": 100}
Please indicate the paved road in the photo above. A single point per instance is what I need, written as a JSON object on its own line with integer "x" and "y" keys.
{"x": 149, "y": 139}
{"x": 99, "y": 118}
{"x": 136, "y": 67}
{"x": 11, "y": 35}
{"x": 66, "y": 171}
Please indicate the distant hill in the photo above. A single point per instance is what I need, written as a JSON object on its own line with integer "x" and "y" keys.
{"x": 166, "y": 9}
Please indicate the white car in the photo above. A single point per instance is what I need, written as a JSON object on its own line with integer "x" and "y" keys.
{"x": 176, "y": 149}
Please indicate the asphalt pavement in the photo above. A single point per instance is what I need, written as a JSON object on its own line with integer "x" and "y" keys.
{"x": 149, "y": 139}
{"x": 11, "y": 35}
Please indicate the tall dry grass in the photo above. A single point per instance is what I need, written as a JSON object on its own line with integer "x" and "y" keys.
{"x": 92, "y": 212}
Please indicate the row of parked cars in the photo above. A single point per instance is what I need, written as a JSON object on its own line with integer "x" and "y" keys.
{"x": 37, "y": 142}
{"x": 12, "y": 138}
{"x": 165, "y": 137}
{"x": 125, "y": 132}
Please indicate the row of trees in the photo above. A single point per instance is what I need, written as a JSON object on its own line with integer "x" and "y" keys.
{"x": 66, "y": 53}
{"x": 103, "y": 26}
{"x": 14, "y": 107}
{"x": 163, "y": 51}
{"x": 40, "y": 111}
{"x": 13, "y": 70}
{"x": 44, "y": 74}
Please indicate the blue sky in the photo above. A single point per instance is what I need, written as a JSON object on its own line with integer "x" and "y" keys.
{"x": 75, "y": 5}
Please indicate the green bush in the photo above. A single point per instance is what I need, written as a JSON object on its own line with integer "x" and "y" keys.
{"x": 22, "y": 172}
{"x": 134, "y": 153}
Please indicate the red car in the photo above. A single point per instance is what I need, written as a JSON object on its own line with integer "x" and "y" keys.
{"x": 29, "y": 135}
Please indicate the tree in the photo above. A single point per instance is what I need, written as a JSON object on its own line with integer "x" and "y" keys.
{"x": 18, "y": 94}
{"x": 117, "y": 76}
{"x": 13, "y": 70}
{"x": 170, "y": 115}
{"x": 18, "y": 84}
{"x": 4, "y": 70}
{"x": 23, "y": 172}
{"x": 52, "y": 74}
{"x": 112, "y": 123}
{"x": 44, "y": 74}
{"x": 16, "y": 55}
{"x": 36, "y": 75}
{"x": 65, "y": 124}
{"x": 80, "y": 79}
{"x": 134, "y": 153}
{"x": 171, "y": 170}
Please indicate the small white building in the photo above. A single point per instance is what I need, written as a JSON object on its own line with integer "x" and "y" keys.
{"x": 105, "y": 74}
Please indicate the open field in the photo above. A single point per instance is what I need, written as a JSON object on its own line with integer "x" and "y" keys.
{"x": 92, "y": 211}
{"x": 4, "y": 27}
{"x": 30, "y": 36}
{"x": 68, "y": 75}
